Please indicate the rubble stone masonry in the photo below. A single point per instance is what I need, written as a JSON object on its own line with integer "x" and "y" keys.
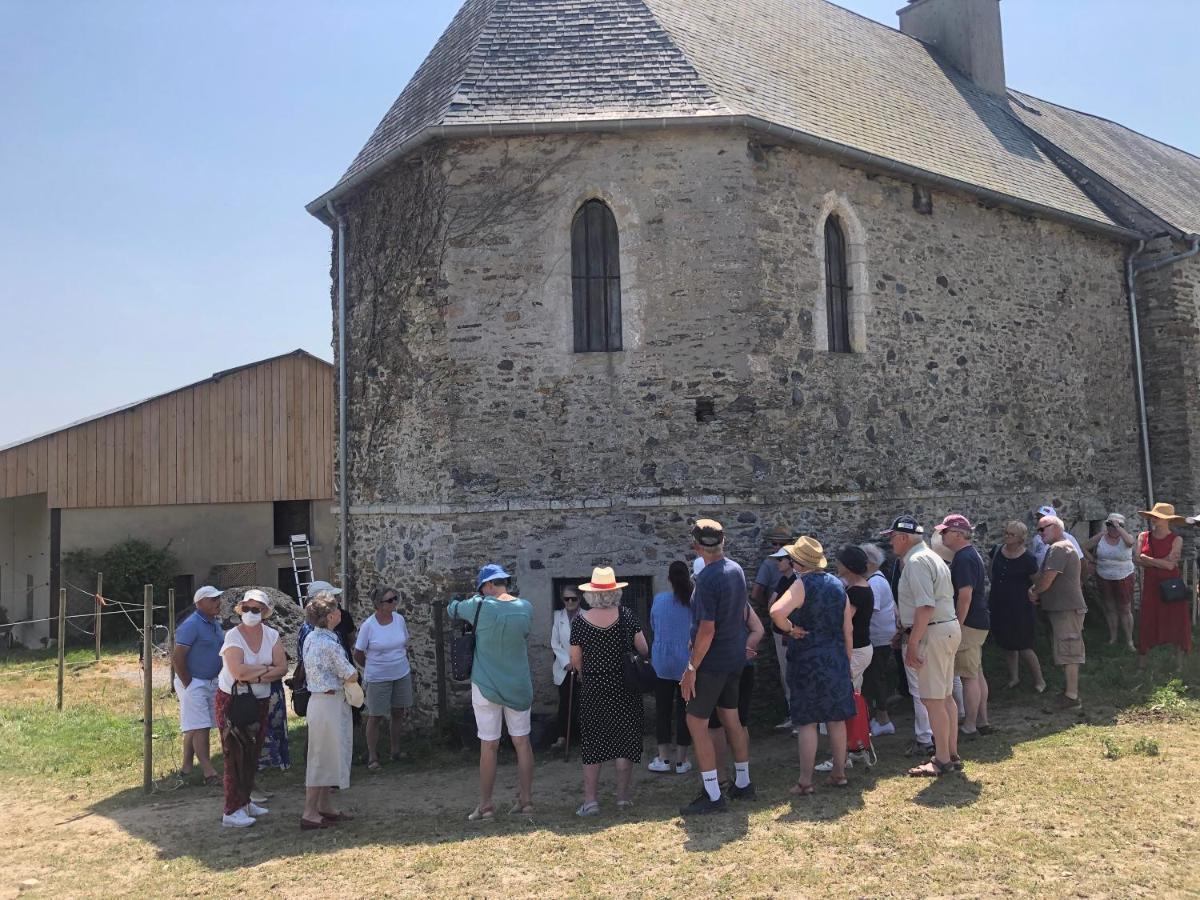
{"x": 993, "y": 369}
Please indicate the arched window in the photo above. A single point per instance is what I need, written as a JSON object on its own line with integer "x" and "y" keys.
{"x": 837, "y": 288}
{"x": 596, "y": 278}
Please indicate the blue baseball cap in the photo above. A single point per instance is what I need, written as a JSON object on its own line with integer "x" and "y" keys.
{"x": 490, "y": 572}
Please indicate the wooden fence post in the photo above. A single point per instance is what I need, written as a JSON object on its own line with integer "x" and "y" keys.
{"x": 148, "y": 688}
{"x": 99, "y": 618}
{"x": 171, "y": 635}
{"x": 62, "y": 641}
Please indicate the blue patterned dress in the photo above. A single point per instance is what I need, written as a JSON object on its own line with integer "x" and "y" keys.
{"x": 818, "y": 669}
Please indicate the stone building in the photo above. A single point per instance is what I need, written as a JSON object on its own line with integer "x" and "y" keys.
{"x": 611, "y": 265}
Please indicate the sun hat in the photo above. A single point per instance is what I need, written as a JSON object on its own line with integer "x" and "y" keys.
{"x": 603, "y": 579}
{"x": 905, "y": 525}
{"x": 205, "y": 592}
{"x": 258, "y": 596}
{"x": 854, "y": 558}
{"x": 778, "y": 554}
{"x": 780, "y": 536}
{"x": 1162, "y": 511}
{"x": 354, "y": 693}
{"x": 708, "y": 533}
{"x": 1118, "y": 518}
{"x": 808, "y": 552}
{"x": 490, "y": 572}
{"x": 317, "y": 587}
{"x": 955, "y": 521}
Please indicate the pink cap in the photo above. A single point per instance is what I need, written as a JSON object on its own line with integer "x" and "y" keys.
{"x": 955, "y": 521}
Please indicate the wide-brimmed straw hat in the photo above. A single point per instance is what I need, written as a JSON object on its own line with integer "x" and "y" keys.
{"x": 259, "y": 597}
{"x": 1163, "y": 511}
{"x": 603, "y": 579}
{"x": 808, "y": 552}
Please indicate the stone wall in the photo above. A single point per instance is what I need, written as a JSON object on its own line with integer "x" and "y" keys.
{"x": 478, "y": 435}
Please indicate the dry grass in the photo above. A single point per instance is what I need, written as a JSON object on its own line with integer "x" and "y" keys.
{"x": 1101, "y": 803}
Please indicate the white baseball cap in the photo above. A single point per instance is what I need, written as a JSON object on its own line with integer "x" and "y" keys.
{"x": 205, "y": 592}
{"x": 317, "y": 587}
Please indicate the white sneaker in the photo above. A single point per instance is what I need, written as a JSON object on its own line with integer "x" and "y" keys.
{"x": 255, "y": 810}
{"x": 885, "y": 728}
{"x": 827, "y": 766}
{"x": 238, "y": 819}
{"x": 257, "y": 796}
{"x": 658, "y": 765}
{"x": 784, "y": 725}
{"x": 683, "y": 768}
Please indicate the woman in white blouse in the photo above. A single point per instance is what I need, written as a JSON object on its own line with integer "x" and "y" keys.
{"x": 252, "y": 655}
{"x": 568, "y": 687}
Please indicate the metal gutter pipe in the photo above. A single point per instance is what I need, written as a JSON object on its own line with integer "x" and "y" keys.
{"x": 1138, "y": 376}
{"x": 1132, "y": 271}
{"x": 343, "y": 485}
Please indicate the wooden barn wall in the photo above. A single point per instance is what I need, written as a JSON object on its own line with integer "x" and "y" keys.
{"x": 260, "y": 433}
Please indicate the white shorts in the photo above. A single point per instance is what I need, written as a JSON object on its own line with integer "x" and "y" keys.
{"x": 197, "y": 704}
{"x": 489, "y": 715}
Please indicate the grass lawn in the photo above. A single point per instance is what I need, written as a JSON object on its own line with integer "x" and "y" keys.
{"x": 1102, "y": 802}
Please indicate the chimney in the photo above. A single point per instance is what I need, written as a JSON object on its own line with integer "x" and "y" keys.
{"x": 966, "y": 33}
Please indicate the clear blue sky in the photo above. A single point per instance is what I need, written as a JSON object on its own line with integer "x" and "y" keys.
{"x": 156, "y": 157}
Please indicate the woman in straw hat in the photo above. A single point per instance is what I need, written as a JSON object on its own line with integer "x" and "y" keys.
{"x": 1158, "y": 552}
{"x": 610, "y": 713}
{"x": 815, "y": 613}
{"x": 252, "y": 655}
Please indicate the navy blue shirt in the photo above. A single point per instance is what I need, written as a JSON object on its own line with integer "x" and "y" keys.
{"x": 967, "y": 570}
{"x": 203, "y": 637}
{"x": 720, "y": 598}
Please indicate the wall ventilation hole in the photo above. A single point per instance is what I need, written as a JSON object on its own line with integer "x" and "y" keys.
{"x": 705, "y": 410}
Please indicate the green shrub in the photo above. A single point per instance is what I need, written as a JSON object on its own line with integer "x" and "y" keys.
{"x": 127, "y": 567}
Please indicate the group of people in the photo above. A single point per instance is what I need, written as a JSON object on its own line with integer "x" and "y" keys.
{"x": 212, "y": 666}
{"x": 835, "y": 633}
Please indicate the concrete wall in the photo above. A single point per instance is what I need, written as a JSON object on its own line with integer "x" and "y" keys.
{"x": 201, "y": 535}
{"x": 976, "y": 390}
{"x": 24, "y": 554}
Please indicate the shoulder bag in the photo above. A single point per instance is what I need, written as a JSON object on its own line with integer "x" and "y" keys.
{"x": 636, "y": 671}
{"x": 462, "y": 647}
{"x": 299, "y": 685}
{"x": 242, "y": 711}
{"x": 1174, "y": 590}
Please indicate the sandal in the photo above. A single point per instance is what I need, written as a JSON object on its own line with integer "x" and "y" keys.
{"x": 210, "y": 780}
{"x": 624, "y": 804}
{"x": 801, "y": 790}
{"x": 336, "y": 817}
{"x": 931, "y": 769}
{"x": 588, "y": 809}
{"x": 837, "y": 782}
{"x": 481, "y": 814}
{"x": 374, "y": 765}
{"x": 518, "y": 810}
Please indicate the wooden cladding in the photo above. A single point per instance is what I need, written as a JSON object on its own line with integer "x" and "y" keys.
{"x": 260, "y": 433}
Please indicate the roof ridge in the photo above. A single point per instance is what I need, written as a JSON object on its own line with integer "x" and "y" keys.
{"x": 1100, "y": 118}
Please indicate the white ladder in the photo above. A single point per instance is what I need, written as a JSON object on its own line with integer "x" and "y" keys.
{"x": 302, "y": 566}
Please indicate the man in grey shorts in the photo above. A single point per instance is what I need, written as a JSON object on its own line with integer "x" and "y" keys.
{"x": 714, "y": 668}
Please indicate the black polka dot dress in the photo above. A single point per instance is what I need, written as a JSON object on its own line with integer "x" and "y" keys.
{"x": 610, "y": 714}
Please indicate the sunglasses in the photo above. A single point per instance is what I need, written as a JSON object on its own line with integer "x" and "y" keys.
{"x": 570, "y": 599}
{"x": 253, "y": 609}
{"x": 1042, "y": 528}
{"x": 389, "y": 600}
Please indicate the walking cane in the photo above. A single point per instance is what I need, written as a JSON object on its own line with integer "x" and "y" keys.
{"x": 570, "y": 701}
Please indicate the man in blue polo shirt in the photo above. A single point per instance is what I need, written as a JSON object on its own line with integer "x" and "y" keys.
{"x": 714, "y": 669}
{"x": 197, "y": 662}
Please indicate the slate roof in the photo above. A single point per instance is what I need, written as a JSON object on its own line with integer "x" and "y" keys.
{"x": 1162, "y": 178}
{"x": 808, "y": 67}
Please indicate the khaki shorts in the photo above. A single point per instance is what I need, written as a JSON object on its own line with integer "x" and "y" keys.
{"x": 935, "y": 679}
{"x": 384, "y": 696}
{"x": 968, "y": 662}
{"x": 1067, "y": 630}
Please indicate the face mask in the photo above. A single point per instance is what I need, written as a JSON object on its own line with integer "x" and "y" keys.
{"x": 251, "y": 618}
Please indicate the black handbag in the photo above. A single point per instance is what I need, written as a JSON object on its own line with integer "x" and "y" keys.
{"x": 636, "y": 671}
{"x": 242, "y": 711}
{"x": 462, "y": 647}
{"x": 1174, "y": 590}
{"x": 300, "y": 694}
